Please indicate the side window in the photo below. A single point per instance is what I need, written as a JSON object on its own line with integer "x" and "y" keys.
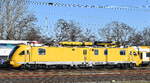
{"x": 41, "y": 51}
{"x": 147, "y": 54}
{"x": 105, "y": 52}
{"x": 22, "y": 53}
{"x": 122, "y": 52}
{"x": 96, "y": 52}
{"x": 84, "y": 52}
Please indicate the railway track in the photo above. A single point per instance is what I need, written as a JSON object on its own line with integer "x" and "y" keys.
{"x": 73, "y": 75}
{"x": 6, "y": 70}
{"x": 73, "y": 71}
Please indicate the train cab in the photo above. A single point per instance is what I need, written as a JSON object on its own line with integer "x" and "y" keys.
{"x": 18, "y": 55}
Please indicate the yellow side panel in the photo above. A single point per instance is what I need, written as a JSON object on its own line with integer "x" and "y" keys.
{"x": 58, "y": 54}
{"x": 114, "y": 55}
{"x": 96, "y": 58}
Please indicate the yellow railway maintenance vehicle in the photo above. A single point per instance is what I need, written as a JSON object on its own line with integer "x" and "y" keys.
{"x": 79, "y": 54}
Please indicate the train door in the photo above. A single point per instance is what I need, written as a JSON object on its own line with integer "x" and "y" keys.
{"x": 27, "y": 56}
{"x": 106, "y": 54}
{"x": 134, "y": 55}
{"x": 130, "y": 56}
{"x": 86, "y": 54}
{"x": 24, "y": 56}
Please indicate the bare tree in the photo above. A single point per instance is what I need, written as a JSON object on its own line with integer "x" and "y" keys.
{"x": 67, "y": 31}
{"x": 141, "y": 37}
{"x": 146, "y": 36}
{"x": 88, "y": 36}
{"x": 14, "y": 19}
{"x": 136, "y": 39}
{"x": 33, "y": 34}
{"x": 116, "y": 31}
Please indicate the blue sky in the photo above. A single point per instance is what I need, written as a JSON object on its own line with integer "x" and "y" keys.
{"x": 92, "y": 18}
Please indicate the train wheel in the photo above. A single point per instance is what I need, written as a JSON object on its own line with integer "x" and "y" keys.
{"x": 33, "y": 67}
{"x": 124, "y": 66}
{"x": 27, "y": 66}
{"x": 131, "y": 65}
{"x": 119, "y": 66}
{"x": 22, "y": 66}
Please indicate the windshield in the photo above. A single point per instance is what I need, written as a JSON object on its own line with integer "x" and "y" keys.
{"x": 12, "y": 52}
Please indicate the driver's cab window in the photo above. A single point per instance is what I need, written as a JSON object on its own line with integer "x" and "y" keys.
{"x": 24, "y": 52}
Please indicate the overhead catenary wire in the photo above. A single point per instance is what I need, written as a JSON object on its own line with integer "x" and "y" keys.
{"x": 60, "y": 4}
{"x": 71, "y": 5}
